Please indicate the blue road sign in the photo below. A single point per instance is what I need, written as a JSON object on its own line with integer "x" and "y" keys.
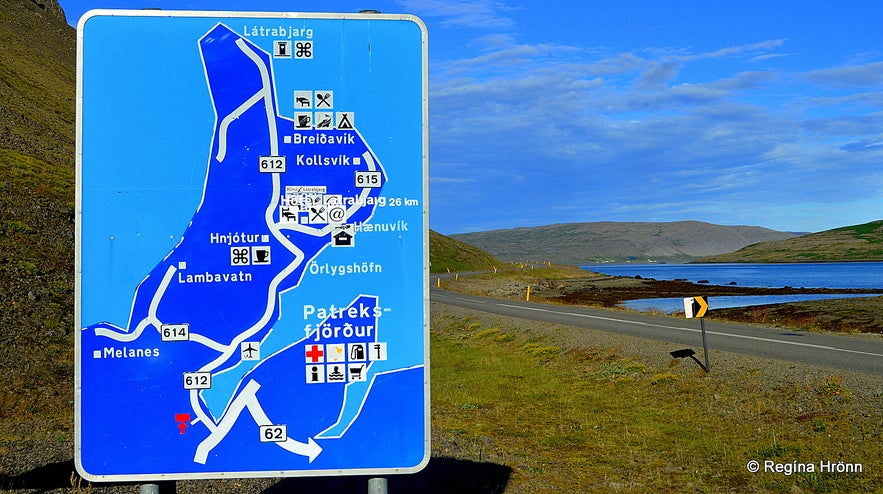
{"x": 252, "y": 245}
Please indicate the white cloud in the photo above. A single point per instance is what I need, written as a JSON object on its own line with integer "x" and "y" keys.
{"x": 464, "y": 13}
{"x": 751, "y": 49}
{"x": 658, "y": 75}
{"x": 558, "y": 133}
{"x": 863, "y": 75}
{"x": 769, "y": 56}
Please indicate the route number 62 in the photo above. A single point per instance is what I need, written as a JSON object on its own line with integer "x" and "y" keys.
{"x": 274, "y": 433}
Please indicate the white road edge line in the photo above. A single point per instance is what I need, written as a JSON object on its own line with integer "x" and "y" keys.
{"x": 716, "y": 333}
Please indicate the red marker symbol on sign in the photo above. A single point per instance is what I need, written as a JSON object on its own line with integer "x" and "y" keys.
{"x": 182, "y": 419}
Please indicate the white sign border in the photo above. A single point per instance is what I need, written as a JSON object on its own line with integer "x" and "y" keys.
{"x": 78, "y": 388}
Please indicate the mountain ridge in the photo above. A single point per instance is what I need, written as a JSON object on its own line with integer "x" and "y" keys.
{"x": 608, "y": 241}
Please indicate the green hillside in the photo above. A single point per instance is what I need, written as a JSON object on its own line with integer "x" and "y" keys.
{"x": 447, "y": 254}
{"x": 850, "y": 243}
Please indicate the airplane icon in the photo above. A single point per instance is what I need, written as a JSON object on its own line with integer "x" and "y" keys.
{"x": 250, "y": 352}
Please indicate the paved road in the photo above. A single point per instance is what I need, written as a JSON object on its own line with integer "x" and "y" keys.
{"x": 855, "y": 353}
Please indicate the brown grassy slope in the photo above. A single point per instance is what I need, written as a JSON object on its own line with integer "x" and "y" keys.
{"x": 37, "y": 115}
{"x": 37, "y": 81}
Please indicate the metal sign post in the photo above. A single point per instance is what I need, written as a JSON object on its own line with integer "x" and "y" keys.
{"x": 252, "y": 245}
{"x": 704, "y": 343}
{"x": 697, "y": 307}
{"x": 377, "y": 485}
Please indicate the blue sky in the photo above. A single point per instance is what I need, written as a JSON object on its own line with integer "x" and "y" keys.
{"x": 765, "y": 113}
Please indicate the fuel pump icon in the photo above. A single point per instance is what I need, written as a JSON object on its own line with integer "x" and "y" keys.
{"x": 357, "y": 352}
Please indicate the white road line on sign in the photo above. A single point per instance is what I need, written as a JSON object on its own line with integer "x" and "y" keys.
{"x": 266, "y": 94}
{"x": 150, "y": 320}
{"x": 247, "y": 399}
{"x": 229, "y": 119}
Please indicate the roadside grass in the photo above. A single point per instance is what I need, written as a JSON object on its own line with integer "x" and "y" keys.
{"x": 516, "y": 278}
{"x": 533, "y": 273}
{"x": 20, "y": 171}
{"x": 594, "y": 420}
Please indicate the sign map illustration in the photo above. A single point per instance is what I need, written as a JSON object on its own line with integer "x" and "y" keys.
{"x": 251, "y": 245}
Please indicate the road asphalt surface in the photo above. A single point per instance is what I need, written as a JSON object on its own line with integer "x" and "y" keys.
{"x": 861, "y": 353}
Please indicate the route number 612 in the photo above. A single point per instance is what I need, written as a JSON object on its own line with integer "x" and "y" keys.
{"x": 272, "y": 164}
{"x": 368, "y": 180}
{"x": 274, "y": 433}
{"x": 197, "y": 380}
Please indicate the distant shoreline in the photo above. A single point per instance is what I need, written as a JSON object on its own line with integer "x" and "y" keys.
{"x": 852, "y": 315}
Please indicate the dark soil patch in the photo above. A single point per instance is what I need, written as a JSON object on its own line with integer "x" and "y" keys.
{"x": 611, "y": 295}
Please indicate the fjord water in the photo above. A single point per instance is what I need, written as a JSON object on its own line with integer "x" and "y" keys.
{"x": 803, "y": 275}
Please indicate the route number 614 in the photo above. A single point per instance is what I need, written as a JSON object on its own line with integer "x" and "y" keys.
{"x": 175, "y": 332}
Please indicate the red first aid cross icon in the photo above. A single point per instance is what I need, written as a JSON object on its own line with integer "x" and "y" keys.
{"x": 315, "y": 354}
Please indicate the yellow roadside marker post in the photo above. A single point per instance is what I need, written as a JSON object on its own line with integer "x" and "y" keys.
{"x": 695, "y": 307}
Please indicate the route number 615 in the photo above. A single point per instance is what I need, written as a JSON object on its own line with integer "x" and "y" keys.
{"x": 368, "y": 180}
{"x": 274, "y": 433}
